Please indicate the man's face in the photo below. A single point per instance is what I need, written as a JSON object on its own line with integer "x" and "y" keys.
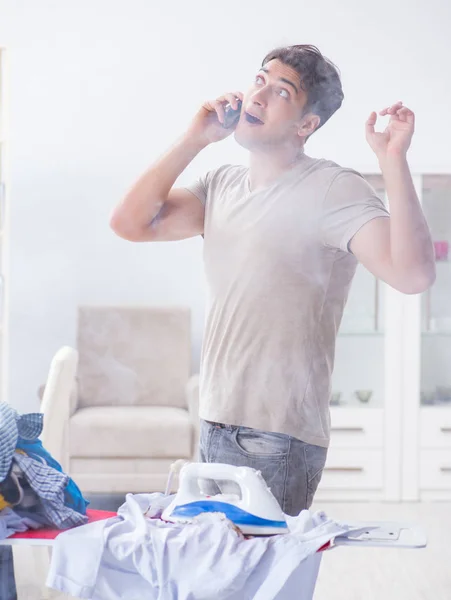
{"x": 272, "y": 110}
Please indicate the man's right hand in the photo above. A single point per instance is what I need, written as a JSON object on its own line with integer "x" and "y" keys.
{"x": 206, "y": 126}
{"x": 153, "y": 210}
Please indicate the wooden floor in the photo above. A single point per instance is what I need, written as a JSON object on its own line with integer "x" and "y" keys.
{"x": 346, "y": 573}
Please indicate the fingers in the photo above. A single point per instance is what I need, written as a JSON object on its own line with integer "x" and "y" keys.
{"x": 371, "y": 122}
{"x": 222, "y": 101}
{"x": 399, "y": 112}
{"x": 237, "y": 96}
{"x": 406, "y": 115}
{"x": 231, "y": 99}
{"x": 391, "y": 110}
{"x": 218, "y": 105}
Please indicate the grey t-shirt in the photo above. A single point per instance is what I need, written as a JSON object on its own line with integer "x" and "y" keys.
{"x": 278, "y": 270}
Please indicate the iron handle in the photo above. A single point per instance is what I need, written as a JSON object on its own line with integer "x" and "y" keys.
{"x": 445, "y": 469}
{"x": 445, "y": 429}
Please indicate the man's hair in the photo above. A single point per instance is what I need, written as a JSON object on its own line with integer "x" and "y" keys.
{"x": 320, "y": 78}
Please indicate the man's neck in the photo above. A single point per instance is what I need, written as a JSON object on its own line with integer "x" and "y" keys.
{"x": 265, "y": 168}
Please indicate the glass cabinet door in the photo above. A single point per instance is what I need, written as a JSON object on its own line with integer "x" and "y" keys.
{"x": 436, "y": 302}
{"x": 358, "y": 378}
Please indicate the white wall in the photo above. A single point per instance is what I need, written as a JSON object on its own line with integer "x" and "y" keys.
{"x": 98, "y": 88}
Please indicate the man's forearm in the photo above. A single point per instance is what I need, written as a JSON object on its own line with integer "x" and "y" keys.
{"x": 412, "y": 251}
{"x": 146, "y": 197}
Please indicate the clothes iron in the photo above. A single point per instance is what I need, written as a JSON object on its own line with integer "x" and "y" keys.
{"x": 255, "y": 510}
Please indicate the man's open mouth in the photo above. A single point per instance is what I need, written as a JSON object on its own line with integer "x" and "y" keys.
{"x": 253, "y": 120}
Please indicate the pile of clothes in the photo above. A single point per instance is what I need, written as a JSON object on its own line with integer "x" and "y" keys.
{"x": 34, "y": 490}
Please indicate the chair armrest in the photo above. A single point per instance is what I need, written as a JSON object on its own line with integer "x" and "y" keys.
{"x": 192, "y": 400}
{"x": 56, "y": 403}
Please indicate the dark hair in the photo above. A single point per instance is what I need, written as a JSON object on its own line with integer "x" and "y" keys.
{"x": 320, "y": 78}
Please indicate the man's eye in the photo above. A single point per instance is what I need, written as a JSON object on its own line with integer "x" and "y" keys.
{"x": 284, "y": 93}
{"x": 259, "y": 80}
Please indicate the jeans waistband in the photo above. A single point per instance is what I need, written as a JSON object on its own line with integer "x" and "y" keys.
{"x": 222, "y": 425}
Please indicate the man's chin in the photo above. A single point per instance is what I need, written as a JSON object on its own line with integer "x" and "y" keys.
{"x": 247, "y": 142}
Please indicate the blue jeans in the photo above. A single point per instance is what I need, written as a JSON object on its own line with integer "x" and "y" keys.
{"x": 291, "y": 468}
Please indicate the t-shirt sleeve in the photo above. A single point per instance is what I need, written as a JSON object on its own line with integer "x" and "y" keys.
{"x": 200, "y": 187}
{"x": 350, "y": 203}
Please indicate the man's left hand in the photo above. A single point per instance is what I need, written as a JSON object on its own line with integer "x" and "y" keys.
{"x": 395, "y": 140}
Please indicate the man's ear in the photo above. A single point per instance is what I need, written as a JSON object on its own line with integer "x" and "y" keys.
{"x": 308, "y": 125}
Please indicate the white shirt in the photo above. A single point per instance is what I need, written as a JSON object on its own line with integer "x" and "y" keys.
{"x": 131, "y": 557}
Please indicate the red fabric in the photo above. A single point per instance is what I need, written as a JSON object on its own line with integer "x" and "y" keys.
{"x": 47, "y": 533}
{"x": 326, "y": 546}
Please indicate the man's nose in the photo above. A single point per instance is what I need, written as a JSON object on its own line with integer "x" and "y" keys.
{"x": 259, "y": 98}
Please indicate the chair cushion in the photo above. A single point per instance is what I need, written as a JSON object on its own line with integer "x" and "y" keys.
{"x": 131, "y": 432}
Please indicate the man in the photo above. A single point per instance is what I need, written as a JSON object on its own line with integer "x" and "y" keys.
{"x": 282, "y": 240}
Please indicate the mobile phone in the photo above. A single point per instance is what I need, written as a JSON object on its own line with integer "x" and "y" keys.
{"x": 231, "y": 116}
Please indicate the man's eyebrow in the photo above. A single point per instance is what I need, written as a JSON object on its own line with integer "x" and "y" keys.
{"x": 287, "y": 81}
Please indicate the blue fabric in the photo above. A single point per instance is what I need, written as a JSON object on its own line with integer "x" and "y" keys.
{"x": 73, "y": 497}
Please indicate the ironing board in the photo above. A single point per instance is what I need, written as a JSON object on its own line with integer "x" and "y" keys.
{"x": 378, "y": 534}
{"x": 375, "y": 534}
{"x": 46, "y": 536}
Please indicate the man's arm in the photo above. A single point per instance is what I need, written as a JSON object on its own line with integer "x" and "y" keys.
{"x": 398, "y": 250}
{"x": 155, "y": 211}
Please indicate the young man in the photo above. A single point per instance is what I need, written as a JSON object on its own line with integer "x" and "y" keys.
{"x": 282, "y": 240}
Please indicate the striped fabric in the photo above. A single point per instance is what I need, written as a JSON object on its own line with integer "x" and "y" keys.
{"x": 13, "y": 425}
{"x": 49, "y": 485}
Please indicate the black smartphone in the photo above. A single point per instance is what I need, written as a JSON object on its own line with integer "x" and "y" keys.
{"x": 232, "y": 115}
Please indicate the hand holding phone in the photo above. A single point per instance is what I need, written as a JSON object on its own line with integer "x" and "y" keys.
{"x": 231, "y": 115}
{"x": 216, "y": 119}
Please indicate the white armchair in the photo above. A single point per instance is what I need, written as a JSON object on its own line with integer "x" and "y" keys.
{"x": 57, "y": 393}
{"x": 133, "y": 408}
